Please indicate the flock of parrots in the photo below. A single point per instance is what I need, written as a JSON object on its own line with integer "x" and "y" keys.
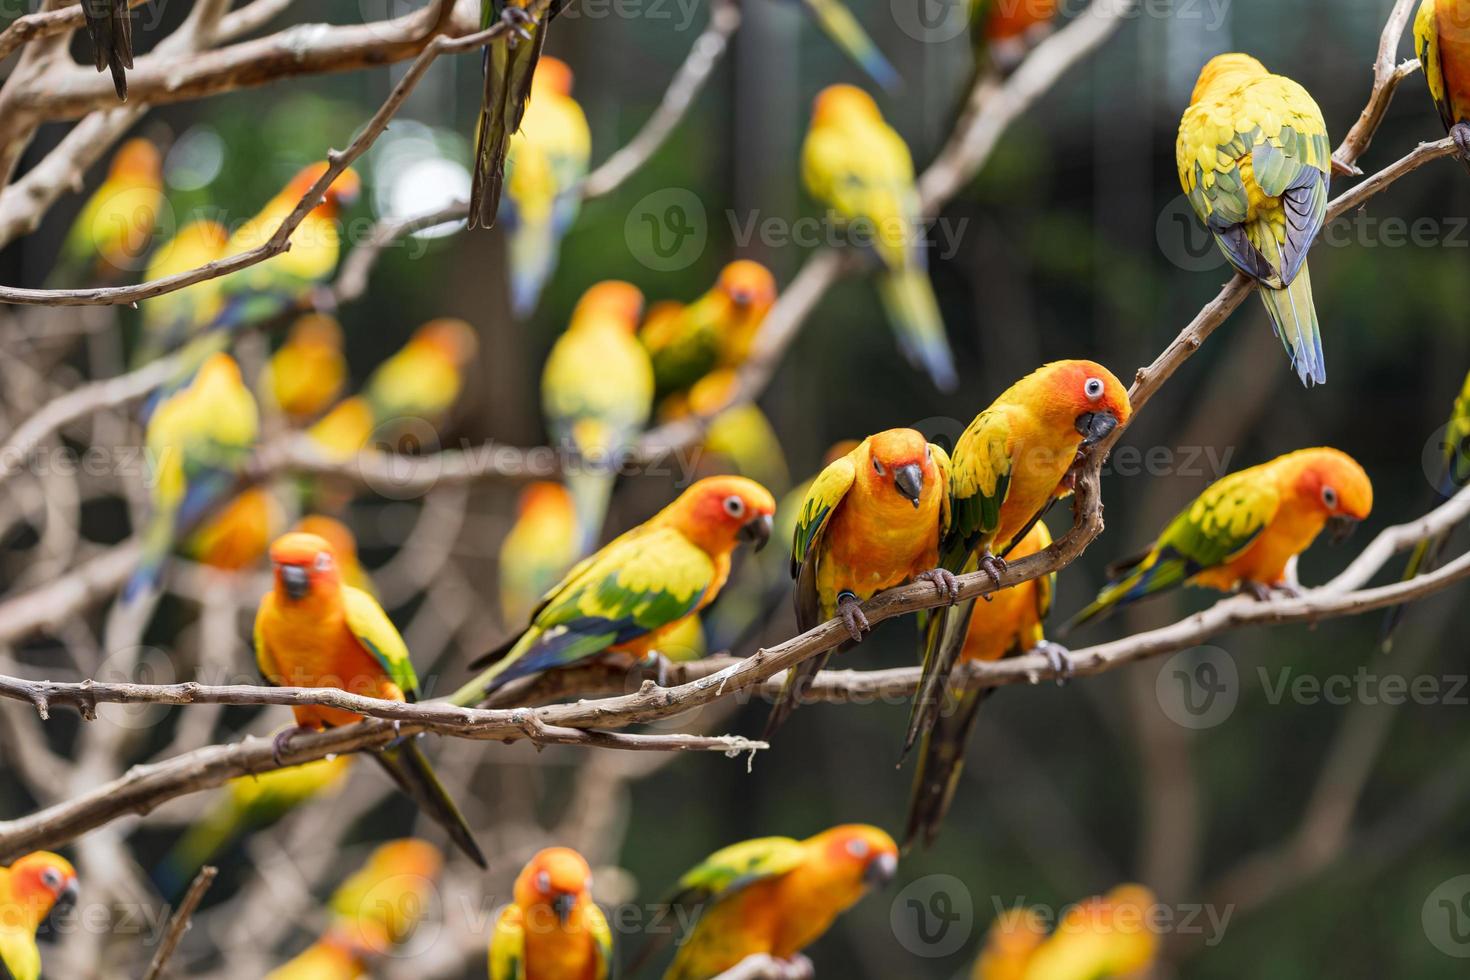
{"x": 1254, "y": 160}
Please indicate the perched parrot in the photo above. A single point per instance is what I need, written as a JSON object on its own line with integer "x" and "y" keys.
{"x": 856, "y": 165}
{"x": 545, "y": 166}
{"x": 1001, "y": 31}
{"x": 110, "y": 25}
{"x": 844, "y": 30}
{"x": 112, "y": 233}
{"x": 337, "y": 955}
{"x": 237, "y": 535}
{"x": 597, "y": 395}
{"x": 1442, "y": 41}
{"x": 541, "y": 546}
{"x": 1008, "y": 626}
{"x": 247, "y": 804}
{"x": 313, "y": 631}
{"x": 1013, "y": 460}
{"x": 685, "y": 343}
{"x": 775, "y": 895}
{"x": 388, "y": 895}
{"x": 1254, "y": 160}
{"x": 198, "y": 439}
{"x": 33, "y": 889}
{"x": 871, "y": 520}
{"x": 1010, "y": 943}
{"x": 344, "y": 430}
{"x": 627, "y": 597}
{"x": 344, "y": 548}
{"x": 424, "y": 378}
{"x": 553, "y": 930}
{"x": 1107, "y": 937}
{"x": 1454, "y": 476}
{"x": 1245, "y": 530}
{"x": 305, "y": 375}
{"x": 172, "y": 318}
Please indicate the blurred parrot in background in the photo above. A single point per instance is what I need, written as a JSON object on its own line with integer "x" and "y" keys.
{"x": 597, "y": 395}
{"x": 32, "y": 890}
{"x": 423, "y": 380}
{"x": 1013, "y": 460}
{"x": 1010, "y": 942}
{"x": 344, "y": 430}
{"x": 110, "y": 25}
{"x": 685, "y": 343}
{"x": 344, "y": 549}
{"x": 198, "y": 440}
{"x": 111, "y": 234}
{"x": 545, "y": 166}
{"x": 1442, "y": 41}
{"x": 553, "y": 930}
{"x": 1254, "y": 160}
{"x": 1010, "y": 625}
{"x": 236, "y": 536}
{"x": 1002, "y": 31}
{"x": 871, "y": 520}
{"x": 306, "y": 373}
{"x": 776, "y": 896}
{"x": 337, "y": 955}
{"x": 540, "y": 547}
{"x": 627, "y": 597}
{"x": 844, "y": 30}
{"x": 313, "y": 631}
{"x": 740, "y": 434}
{"x": 247, "y": 804}
{"x": 857, "y": 166}
{"x": 1454, "y": 476}
{"x": 172, "y": 318}
{"x": 1244, "y": 531}
{"x": 1106, "y": 937}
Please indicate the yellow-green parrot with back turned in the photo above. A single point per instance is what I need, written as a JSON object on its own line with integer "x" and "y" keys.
{"x": 855, "y": 164}
{"x": 111, "y": 234}
{"x": 423, "y": 380}
{"x": 539, "y": 548}
{"x": 1442, "y": 41}
{"x": 1254, "y": 160}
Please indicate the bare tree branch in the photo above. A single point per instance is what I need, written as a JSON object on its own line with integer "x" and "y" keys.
{"x": 1386, "y": 79}
{"x": 178, "y": 924}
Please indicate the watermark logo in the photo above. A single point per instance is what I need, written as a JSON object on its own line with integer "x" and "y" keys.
{"x": 1198, "y": 688}
{"x": 135, "y": 665}
{"x": 1186, "y": 242}
{"x": 933, "y": 916}
{"x": 1446, "y": 917}
{"x": 931, "y": 21}
{"x": 401, "y": 448}
{"x": 667, "y": 230}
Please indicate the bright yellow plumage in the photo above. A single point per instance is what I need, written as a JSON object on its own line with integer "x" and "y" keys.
{"x": 307, "y": 372}
{"x": 112, "y": 233}
{"x": 1108, "y": 937}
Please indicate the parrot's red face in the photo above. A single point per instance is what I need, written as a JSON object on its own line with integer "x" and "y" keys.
{"x": 614, "y": 298}
{"x": 720, "y": 512}
{"x": 1087, "y": 395}
{"x": 557, "y": 877}
{"x": 552, "y": 75}
{"x": 44, "y": 883}
{"x": 137, "y": 159}
{"x": 842, "y": 102}
{"x": 900, "y": 462}
{"x": 455, "y": 339}
{"x": 304, "y": 566}
{"x": 1335, "y": 483}
{"x": 748, "y": 284}
{"x": 862, "y": 854}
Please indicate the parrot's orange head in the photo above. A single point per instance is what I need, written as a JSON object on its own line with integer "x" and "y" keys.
{"x": 1334, "y": 482}
{"x": 837, "y": 102}
{"x": 43, "y": 883}
{"x": 557, "y": 877}
{"x": 1083, "y": 395}
{"x": 316, "y": 330}
{"x": 218, "y": 369}
{"x": 552, "y": 75}
{"x": 453, "y": 338}
{"x": 621, "y": 301}
{"x": 544, "y": 497}
{"x": 303, "y": 565}
{"x": 749, "y": 285}
{"x": 342, "y": 192}
{"x": 719, "y": 512}
{"x": 336, "y": 534}
{"x": 1230, "y": 69}
{"x": 407, "y": 856}
{"x": 136, "y": 159}
{"x": 860, "y": 854}
{"x": 900, "y": 460}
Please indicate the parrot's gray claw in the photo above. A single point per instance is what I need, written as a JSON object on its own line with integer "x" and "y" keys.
{"x": 1460, "y": 133}
{"x": 1059, "y": 659}
{"x": 517, "y": 19}
{"x": 281, "y": 744}
{"x": 1258, "y": 591}
{"x": 992, "y": 566}
{"x": 943, "y": 580}
{"x": 849, "y": 608}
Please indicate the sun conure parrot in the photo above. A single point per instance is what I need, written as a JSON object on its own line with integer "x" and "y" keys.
{"x": 1254, "y": 160}
{"x": 111, "y": 234}
{"x": 1010, "y": 942}
{"x": 1010, "y": 625}
{"x": 198, "y": 439}
{"x": 685, "y": 343}
{"x": 110, "y": 25}
{"x": 553, "y": 930}
{"x": 1244, "y": 531}
{"x": 538, "y": 550}
{"x": 1454, "y": 475}
{"x": 313, "y": 631}
{"x": 306, "y": 373}
{"x": 776, "y": 896}
{"x": 1442, "y": 41}
{"x": 385, "y": 899}
{"x": 337, "y": 955}
{"x": 172, "y": 318}
{"x": 544, "y": 169}
{"x": 236, "y": 536}
{"x": 424, "y": 378}
{"x": 871, "y": 520}
{"x": 844, "y": 30}
{"x": 856, "y": 165}
{"x": 597, "y": 395}
{"x": 247, "y": 804}
{"x": 344, "y": 548}
{"x": 628, "y": 596}
{"x": 1002, "y": 31}
{"x": 34, "y": 888}
{"x": 1007, "y": 468}
{"x": 1106, "y": 937}
{"x": 509, "y": 65}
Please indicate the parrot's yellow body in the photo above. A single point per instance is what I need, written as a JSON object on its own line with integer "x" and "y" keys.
{"x": 111, "y": 235}
{"x": 541, "y": 546}
{"x": 553, "y": 930}
{"x": 423, "y": 380}
{"x": 172, "y": 318}
{"x": 1106, "y": 937}
{"x": 1442, "y": 41}
{"x": 237, "y": 536}
{"x": 305, "y": 375}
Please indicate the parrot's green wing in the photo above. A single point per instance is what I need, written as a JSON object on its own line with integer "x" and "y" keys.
{"x": 1426, "y": 45}
{"x": 376, "y": 632}
{"x": 732, "y": 868}
{"x": 944, "y": 465}
{"x": 508, "y": 946}
{"x": 822, "y": 498}
{"x": 1046, "y": 586}
{"x": 979, "y": 480}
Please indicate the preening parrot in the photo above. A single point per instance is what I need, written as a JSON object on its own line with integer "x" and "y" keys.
{"x": 544, "y": 169}
{"x": 423, "y": 380}
{"x": 538, "y": 550}
{"x": 856, "y": 165}
{"x": 112, "y": 233}
{"x": 313, "y": 631}
{"x": 1245, "y": 529}
{"x": 1106, "y": 937}
{"x": 844, "y": 30}
{"x": 1442, "y": 41}
{"x": 872, "y": 519}
{"x": 597, "y": 395}
{"x": 33, "y": 889}
{"x": 1254, "y": 160}
{"x": 632, "y": 593}
{"x": 553, "y": 930}
{"x": 110, "y": 25}
{"x": 1008, "y": 466}
{"x": 306, "y": 373}
{"x": 173, "y": 318}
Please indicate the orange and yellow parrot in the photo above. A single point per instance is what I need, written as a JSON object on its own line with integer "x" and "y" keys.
{"x": 1106, "y": 937}
{"x": 306, "y": 373}
{"x": 1254, "y": 160}
{"x": 111, "y": 235}
{"x": 344, "y": 430}
{"x": 34, "y": 888}
{"x": 597, "y": 395}
{"x": 844, "y": 30}
{"x": 1442, "y": 41}
{"x": 1244, "y": 532}
{"x": 544, "y": 167}
{"x": 344, "y": 548}
{"x": 776, "y": 895}
{"x": 313, "y": 631}
{"x": 871, "y": 520}
{"x": 541, "y": 546}
{"x": 172, "y": 318}
{"x": 509, "y": 66}
{"x": 237, "y": 536}
{"x": 198, "y": 439}
{"x": 337, "y": 955}
{"x": 1010, "y": 625}
{"x": 1013, "y": 460}
{"x": 423, "y": 380}
{"x": 685, "y": 343}
{"x": 1002, "y": 31}
{"x": 857, "y": 166}
{"x": 629, "y": 595}
{"x": 553, "y": 930}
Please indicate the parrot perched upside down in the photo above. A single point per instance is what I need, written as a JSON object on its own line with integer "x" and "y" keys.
{"x": 553, "y": 930}
{"x": 1254, "y": 160}
{"x": 1442, "y": 41}
{"x": 510, "y": 65}
{"x": 34, "y": 888}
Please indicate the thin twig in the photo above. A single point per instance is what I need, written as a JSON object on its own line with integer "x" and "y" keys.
{"x": 178, "y": 924}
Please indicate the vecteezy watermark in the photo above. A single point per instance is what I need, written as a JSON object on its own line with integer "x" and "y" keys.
{"x": 681, "y": 12}
{"x": 1155, "y": 461}
{"x": 933, "y": 916}
{"x": 1198, "y": 688}
{"x": 1446, "y": 917}
{"x": 832, "y": 230}
{"x": 667, "y": 230}
{"x": 1094, "y": 916}
{"x": 1446, "y": 459}
{"x": 1363, "y": 687}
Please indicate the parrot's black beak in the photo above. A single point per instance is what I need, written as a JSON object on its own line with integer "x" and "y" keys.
{"x": 563, "y": 905}
{"x": 880, "y": 870}
{"x": 1341, "y": 527}
{"x": 51, "y": 927}
{"x": 1095, "y": 426}
{"x": 757, "y": 531}
{"x": 296, "y": 581}
{"x": 910, "y": 482}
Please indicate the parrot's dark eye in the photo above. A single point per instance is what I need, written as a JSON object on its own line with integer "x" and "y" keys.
{"x": 858, "y": 848}
{"x": 1329, "y": 497}
{"x": 323, "y": 561}
{"x": 878, "y": 467}
{"x": 1093, "y": 389}
{"x": 734, "y": 506}
{"x": 51, "y": 878}
{"x": 543, "y": 882}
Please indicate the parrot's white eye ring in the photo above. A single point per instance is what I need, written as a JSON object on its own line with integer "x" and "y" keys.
{"x": 858, "y": 848}
{"x": 878, "y": 467}
{"x": 51, "y": 878}
{"x": 734, "y": 506}
{"x": 322, "y": 562}
{"x": 1329, "y": 497}
{"x": 543, "y": 882}
{"x": 1093, "y": 389}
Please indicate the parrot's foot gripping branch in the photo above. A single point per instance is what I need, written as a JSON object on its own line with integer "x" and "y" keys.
{"x": 1460, "y": 133}
{"x": 518, "y": 19}
{"x": 849, "y": 607}
{"x": 1058, "y": 658}
{"x": 992, "y": 565}
{"x": 1262, "y": 592}
{"x": 944, "y": 580}
{"x": 281, "y": 744}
